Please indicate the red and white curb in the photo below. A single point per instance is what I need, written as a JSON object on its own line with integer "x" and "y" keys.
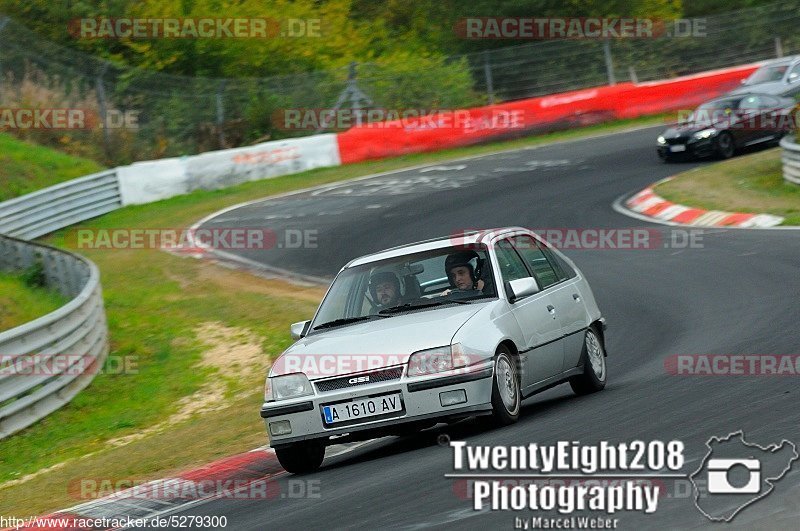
{"x": 250, "y": 475}
{"x": 253, "y": 475}
{"x": 649, "y": 205}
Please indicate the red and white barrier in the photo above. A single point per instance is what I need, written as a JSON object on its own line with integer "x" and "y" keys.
{"x": 149, "y": 181}
{"x": 448, "y": 130}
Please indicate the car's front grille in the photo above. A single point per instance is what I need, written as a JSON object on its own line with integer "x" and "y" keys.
{"x": 354, "y": 380}
{"x": 678, "y": 140}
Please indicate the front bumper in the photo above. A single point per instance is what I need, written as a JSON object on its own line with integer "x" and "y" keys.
{"x": 420, "y": 398}
{"x": 694, "y": 149}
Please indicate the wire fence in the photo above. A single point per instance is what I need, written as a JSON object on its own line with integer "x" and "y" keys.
{"x": 151, "y": 114}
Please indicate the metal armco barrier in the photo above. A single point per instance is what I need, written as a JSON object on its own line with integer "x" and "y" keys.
{"x": 59, "y": 206}
{"x": 791, "y": 160}
{"x": 46, "y": 362}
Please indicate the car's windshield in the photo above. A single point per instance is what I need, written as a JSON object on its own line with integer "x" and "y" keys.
{"x": 712, "y": 111}
{"x": 426, "y": 280}
{"x": 766, "y": 74}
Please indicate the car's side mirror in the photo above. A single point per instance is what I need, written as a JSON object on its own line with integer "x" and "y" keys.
{"x": 522, "y": 287}
{"x": 299, "y": 330}
{"x": 794, "y": 77}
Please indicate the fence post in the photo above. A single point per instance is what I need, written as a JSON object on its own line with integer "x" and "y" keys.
{"x": 220, "y": 115}
{"x": 101, "y": 99}
{"x": 358, "y": 100}
{"x": 612, "y": 80}
{"x": 632, "y": 75}
{"x": 778, "y": 47}
{"x": 487, "y": 71}
{"x": 3, "y": 22}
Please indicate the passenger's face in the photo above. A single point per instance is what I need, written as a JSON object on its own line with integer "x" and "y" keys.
{"x": 386, "y": 293}
{"x": 461, "y": 277}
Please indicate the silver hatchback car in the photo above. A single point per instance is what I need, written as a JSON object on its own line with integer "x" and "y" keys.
{"x": 435, "y": 331}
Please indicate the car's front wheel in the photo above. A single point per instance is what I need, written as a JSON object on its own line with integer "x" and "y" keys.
{"x": 301, "y": 457}
{"x": 506, "y": 394}
{"x": 594, "y": 366}
{"x": 724, "y": 145}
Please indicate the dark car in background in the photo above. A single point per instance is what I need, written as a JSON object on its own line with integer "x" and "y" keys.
{"x": 725, "y": 125}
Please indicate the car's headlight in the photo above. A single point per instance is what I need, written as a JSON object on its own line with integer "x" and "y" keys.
{"x": 661, "y": 140}
{"x": 287, "y": 386}
{"x": 437, "y": 359}
{"x": 705, "y": 133}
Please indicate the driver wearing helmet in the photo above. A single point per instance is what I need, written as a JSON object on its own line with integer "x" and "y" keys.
{"x": 461, "y": 272}
{"x": 384, "y": 286}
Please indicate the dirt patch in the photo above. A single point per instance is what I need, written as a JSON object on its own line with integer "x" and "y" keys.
{"x": 231, "y": 353}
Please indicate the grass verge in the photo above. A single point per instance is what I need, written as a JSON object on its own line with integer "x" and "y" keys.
{"x": 750, "y": 183}
{"x": 20, "y": 302}
{"x": 27, "y": 167}
{"x": 197, "y": 340}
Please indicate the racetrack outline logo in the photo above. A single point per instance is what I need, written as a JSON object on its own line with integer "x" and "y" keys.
{"x": 716, "y": 476}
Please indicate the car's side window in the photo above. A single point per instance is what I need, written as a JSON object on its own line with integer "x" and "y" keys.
{"x": 536, "y": 260}
{"x": 511, "y": 265}
{"x": 794, "y": 75}
{"x": 561, "y": 266}
{"x": 768, "y": 103}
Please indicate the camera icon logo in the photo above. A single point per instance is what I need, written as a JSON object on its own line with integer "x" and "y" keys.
{"x": 719, "y": 476}
{"x": 735, "y": 473}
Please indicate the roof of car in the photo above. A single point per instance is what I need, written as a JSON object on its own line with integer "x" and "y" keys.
{"x": 464, "y": 238}
{"x": 781, "y": 60}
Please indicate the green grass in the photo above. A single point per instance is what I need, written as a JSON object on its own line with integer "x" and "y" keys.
{"x": 27, "y": 167}
{"x": 155, "y": 303}
{"x": 20, "y": 303}
{"x": 750, "y": 183}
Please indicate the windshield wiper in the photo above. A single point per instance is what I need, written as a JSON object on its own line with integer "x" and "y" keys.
{"x": 414, "y": 306}
{"x": 346, "y": 320}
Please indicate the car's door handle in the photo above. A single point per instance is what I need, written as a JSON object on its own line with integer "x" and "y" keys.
{"x": 551, "y": 308}
{"x": 576, "y": 297}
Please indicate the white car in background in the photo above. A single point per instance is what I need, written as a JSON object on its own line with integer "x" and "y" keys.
{"x": 478, "y": 323}
{"x": 780, "y": 77}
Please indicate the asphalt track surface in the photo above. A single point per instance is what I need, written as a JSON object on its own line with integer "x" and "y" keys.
{"x": 737, "y": 294}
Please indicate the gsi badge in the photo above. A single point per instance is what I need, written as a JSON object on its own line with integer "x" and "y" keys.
{"x": 360, "y": 379}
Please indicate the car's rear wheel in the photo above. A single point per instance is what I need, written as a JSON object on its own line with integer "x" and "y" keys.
{"x": 594, "y": 374}
{"x": 301, "y": 457}
{"x": 724, "y": 145}
{"x": 506, "y": 394}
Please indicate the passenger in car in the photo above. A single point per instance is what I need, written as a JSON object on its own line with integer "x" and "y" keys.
{"x": 461, "y": 273}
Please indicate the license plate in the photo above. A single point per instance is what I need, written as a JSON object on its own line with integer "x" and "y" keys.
{"x": 677, "y": 147}
{"x": 363, "y": 408}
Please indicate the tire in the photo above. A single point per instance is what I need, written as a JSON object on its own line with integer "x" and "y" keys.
{"x": 724, "y": 145}
{"x": 506, "y": 394}
{"x": 301, "y": 458}
{"x": 595, "y": 373}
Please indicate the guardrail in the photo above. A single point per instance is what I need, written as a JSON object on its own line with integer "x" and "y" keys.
{"x": 46, "y": 362}
{"x": 791, "y": 160}
{"x": 59, "y": 206}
